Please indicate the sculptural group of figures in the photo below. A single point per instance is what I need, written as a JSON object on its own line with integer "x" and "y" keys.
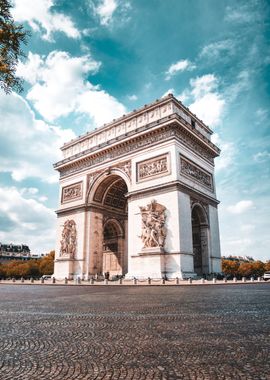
{"x": 153, "y": 225}
{"x": 69, "y": 239}
{"x": 153, "y": 168}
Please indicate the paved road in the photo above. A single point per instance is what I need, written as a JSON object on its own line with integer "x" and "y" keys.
{"x": 132, "y": 333}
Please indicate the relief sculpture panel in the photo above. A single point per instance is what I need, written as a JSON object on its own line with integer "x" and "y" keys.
{"x": 193, "y": 171}
{"x": 72, "y": 192}
{"x": 153, "y": 167}
{"x": 68, "y": 243}
{"x": 153, "y": 225}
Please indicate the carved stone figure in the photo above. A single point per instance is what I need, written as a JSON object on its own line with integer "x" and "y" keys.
{"x": 153, "y": 225}
{"x": 72, "y": 192}
{"x": 69, "y": 239}
{"x": 195, "y": 172}
{"x": 152, "y": 167}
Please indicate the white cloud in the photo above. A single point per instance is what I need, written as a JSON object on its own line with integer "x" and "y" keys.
{"x": 28, "y": 146}
{"x": 203, "y": 85}
{"x": 240, "y": 207}
{"x": 105, "y": 10}
{"x": 215, "y": 49}
{"x": 241, "y": 84}
{"x": 208, "y": 108}
{"x": 179, "y": 66}
{"x": 30, "y": 71}
{"x": 61, "y": 89}
{"x": 133, "y": 97}
{"x": 208, "y": 104}
{"x": 246, "y": 13}
{"x": 101, "y": 106}
{"x": 111, "y": 13}
{"x": 170, "y": 91}
{"x": 29, "y": 190}
{"x": 262, "y": 115}
{"x": 41, "y": 17}
{"x": 184, "y": 96}
{"x": 227, "y": 154}
{"x": 261, "y": 156}
{"x": 26, "y": 221}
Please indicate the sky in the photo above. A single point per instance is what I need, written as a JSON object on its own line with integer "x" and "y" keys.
{"x": 89, "y": 61}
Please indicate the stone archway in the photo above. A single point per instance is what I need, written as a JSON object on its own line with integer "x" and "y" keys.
{"x": 113, "y": 248}
{"x": 108, "y": 236}
{"x": 200, "y": 240}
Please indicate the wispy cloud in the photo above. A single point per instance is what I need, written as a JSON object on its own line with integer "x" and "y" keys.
{"x": 40, "y": 17}
{"x": 261, "y": 156}
{"x": 227, "y": 155}
{"x": 179, "y": 66}
{"x": 132, "y": 97}
{"x": 243, "y": 13}
{"x": 216, "y": 49}
{"x": 240, "y": 207}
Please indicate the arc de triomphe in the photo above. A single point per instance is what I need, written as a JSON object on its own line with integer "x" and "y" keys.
{"x": 137, "y": 197}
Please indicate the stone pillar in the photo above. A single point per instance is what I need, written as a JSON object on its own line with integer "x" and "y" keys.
{"x": 215, "y": 255}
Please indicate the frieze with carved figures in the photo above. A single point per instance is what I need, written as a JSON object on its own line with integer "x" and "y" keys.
{"x": 196, "y": 173}
{"x": 72, "y": 192}
{"x": 134, "y": 145}
{"x": 153, "y": 167}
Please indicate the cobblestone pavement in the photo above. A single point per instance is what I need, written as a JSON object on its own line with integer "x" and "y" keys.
{"x": 73, "y": 332}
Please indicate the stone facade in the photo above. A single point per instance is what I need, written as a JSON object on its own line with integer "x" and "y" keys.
{"x": 140, "y": 194}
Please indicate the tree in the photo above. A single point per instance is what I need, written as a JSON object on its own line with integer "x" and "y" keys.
{"x": 11, "y": 38}
{"x": 230, "y": 267}
{"x": 246, "y": 269}
{"x": 46, "y": 265}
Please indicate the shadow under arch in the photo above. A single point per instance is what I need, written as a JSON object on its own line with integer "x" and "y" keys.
{"x": 200, "y": 239}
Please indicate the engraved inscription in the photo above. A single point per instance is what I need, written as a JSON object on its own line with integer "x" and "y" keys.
{"x": 73, "y": 192}
{"x": 195, "y": 172}
{"x": 153, "y": 167}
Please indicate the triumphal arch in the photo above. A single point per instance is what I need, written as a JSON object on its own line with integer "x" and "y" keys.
{"x": 137, "y": 197}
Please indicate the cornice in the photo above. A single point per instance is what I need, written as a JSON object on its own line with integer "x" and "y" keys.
{"x": 137, "y": 113}
{"x": 169, "y": 127}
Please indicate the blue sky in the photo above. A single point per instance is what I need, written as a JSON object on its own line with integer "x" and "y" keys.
{"x": 89, "y": 61}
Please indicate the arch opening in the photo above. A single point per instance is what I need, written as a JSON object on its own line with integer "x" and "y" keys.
{"x": 200, "y": 240}
{"x": 110, "y": 213}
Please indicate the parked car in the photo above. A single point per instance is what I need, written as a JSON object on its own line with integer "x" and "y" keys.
{"x": 46, "y": 277}
{"x": 266, "y": 276}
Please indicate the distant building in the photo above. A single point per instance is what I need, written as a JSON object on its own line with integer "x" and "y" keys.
{"x": 244, "y": 259}
{"x": 15, "y": 252}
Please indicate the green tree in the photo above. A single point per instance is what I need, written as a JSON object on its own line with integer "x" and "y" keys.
{"x": 11, "y": 38}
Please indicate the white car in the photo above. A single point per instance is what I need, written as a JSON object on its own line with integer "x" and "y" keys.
{"x": 266, "y": 276}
